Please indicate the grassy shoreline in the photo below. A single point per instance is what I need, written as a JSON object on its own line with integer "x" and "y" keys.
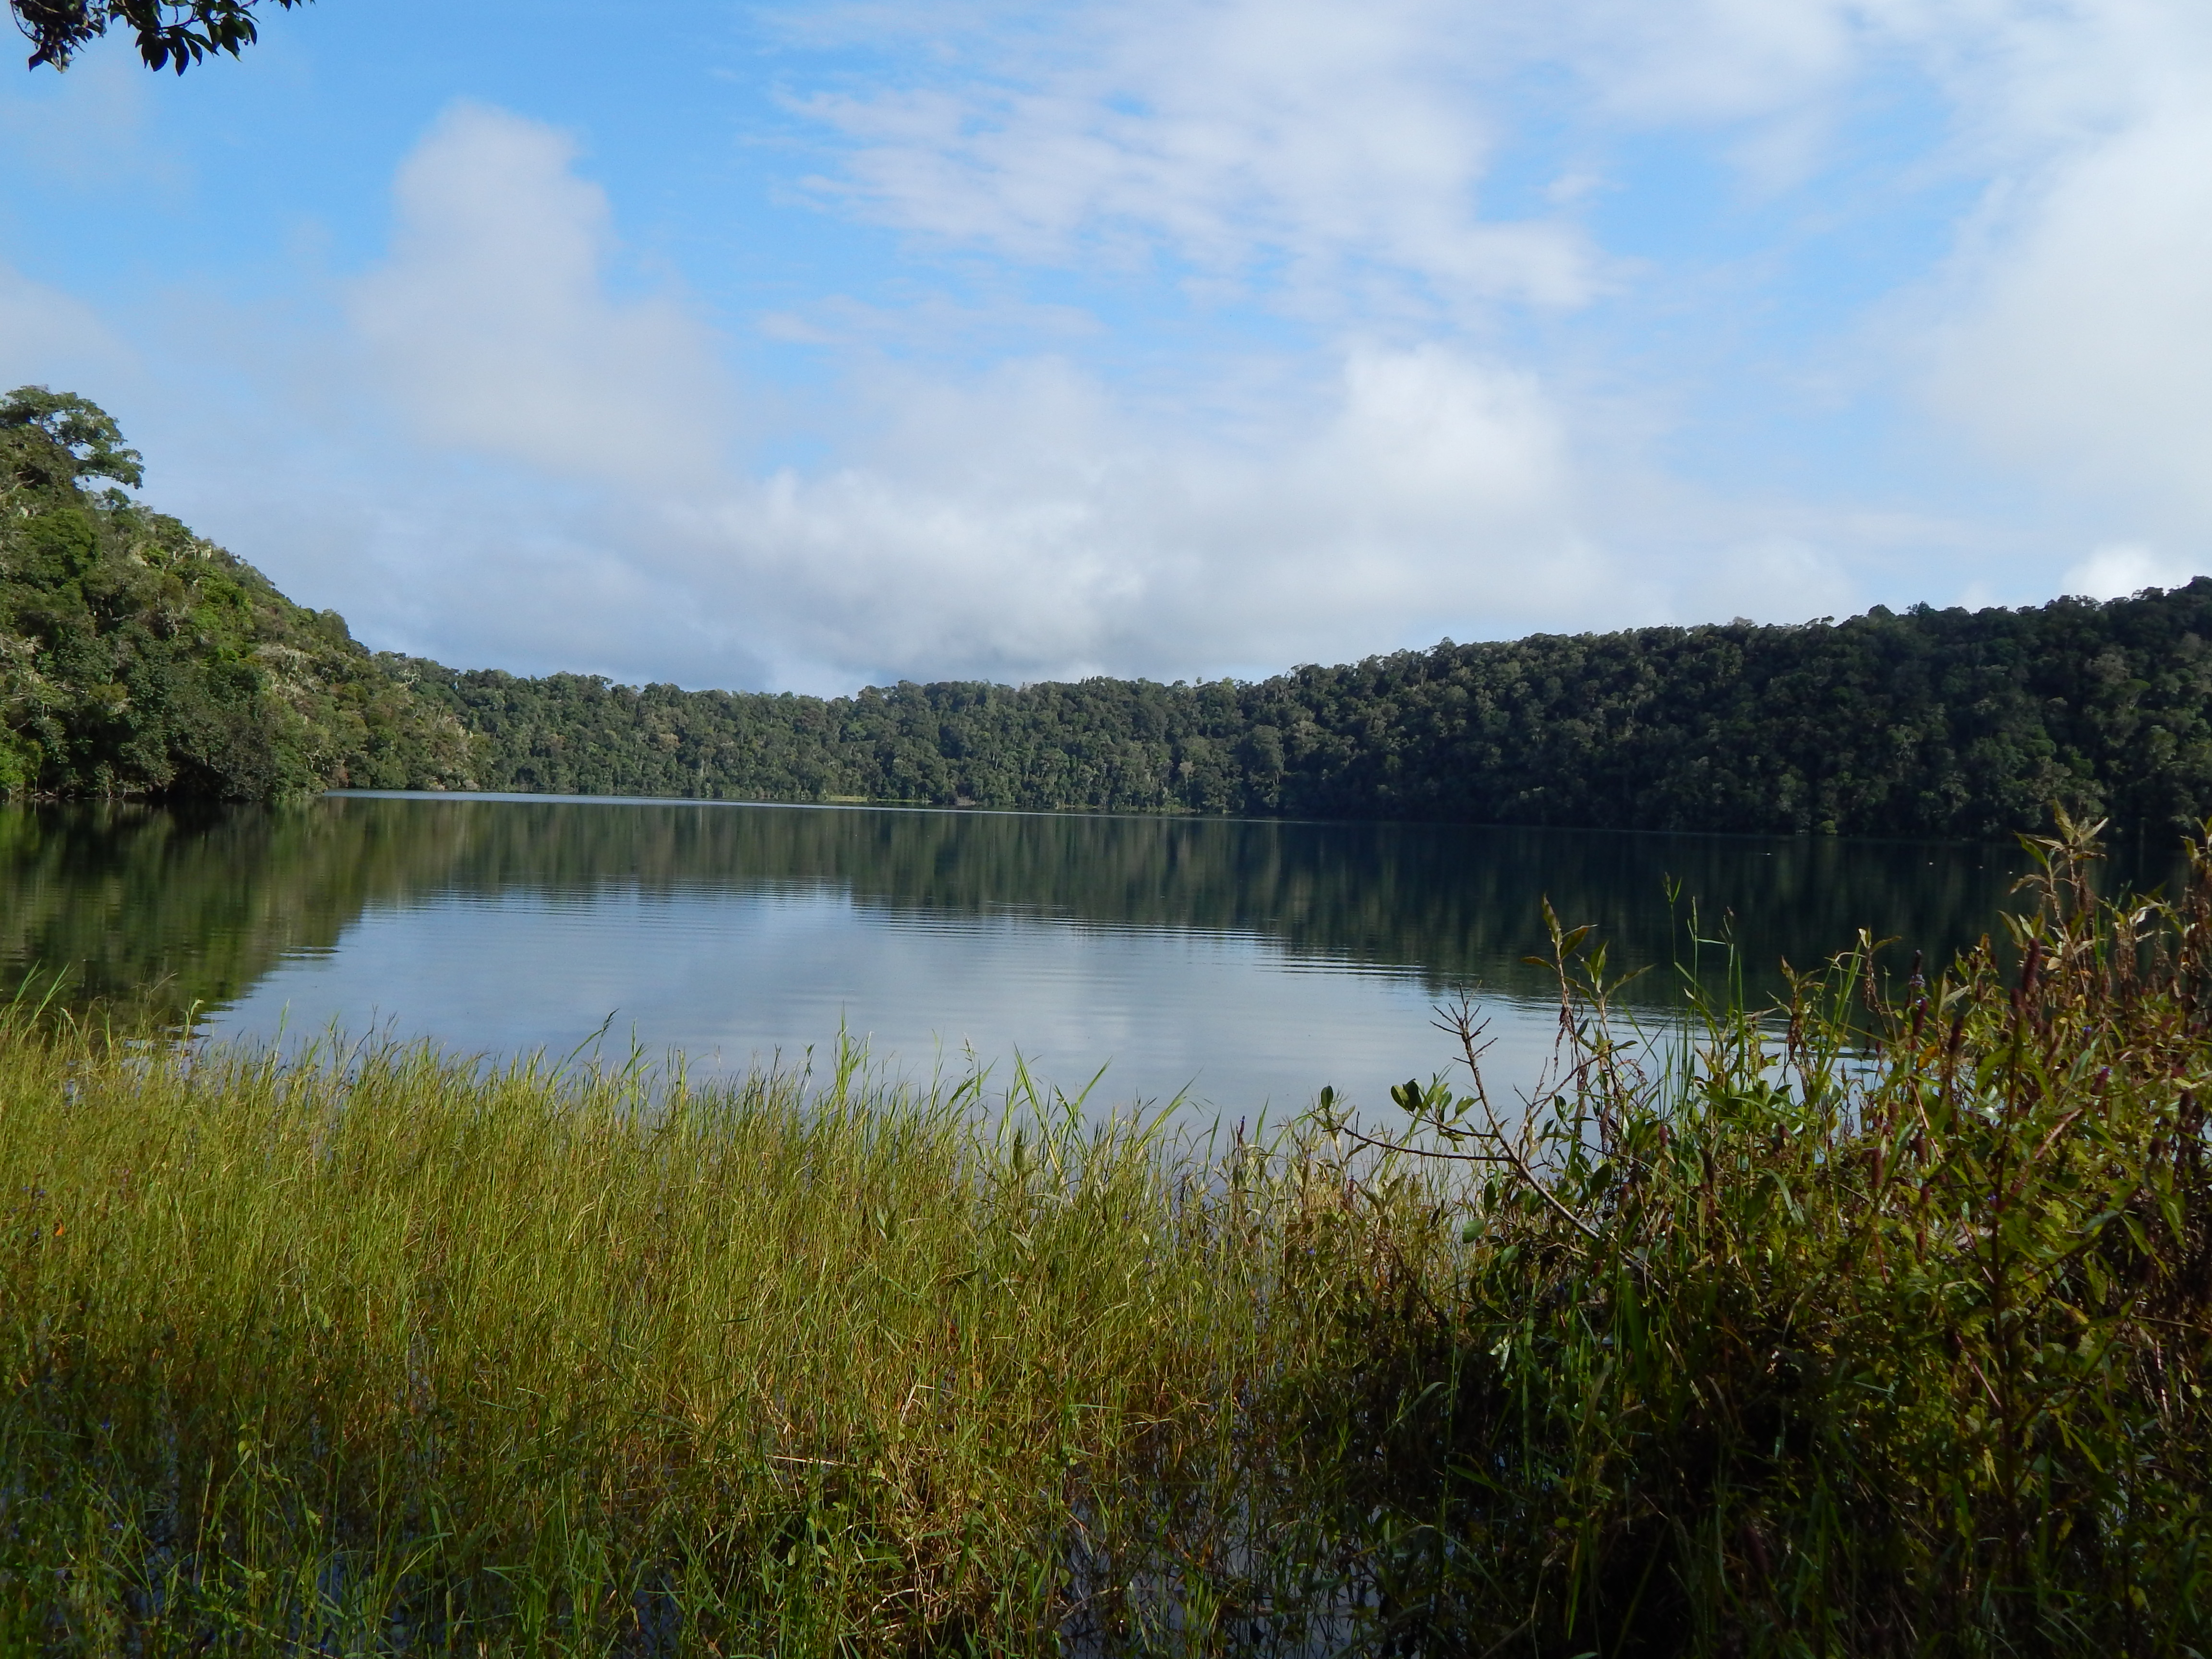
{"x": 1877, "y": 1325}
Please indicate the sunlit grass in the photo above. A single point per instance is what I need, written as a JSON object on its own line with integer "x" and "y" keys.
{"x": 385, "y": 1347}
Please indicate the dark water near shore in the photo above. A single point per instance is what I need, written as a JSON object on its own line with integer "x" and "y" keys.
{"x": 1248, "y": 963}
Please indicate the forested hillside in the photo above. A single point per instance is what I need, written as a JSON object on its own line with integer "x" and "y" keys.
{"x": 1934, "y": 722}
{"x": 137, "y": 659}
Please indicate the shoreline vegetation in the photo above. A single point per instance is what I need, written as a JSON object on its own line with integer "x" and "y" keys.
{"x": 139, "y": 660}
{"x": 1878, "y": 1322}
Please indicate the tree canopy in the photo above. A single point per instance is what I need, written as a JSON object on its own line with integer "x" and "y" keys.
{"x": 81, "y": 440}
{"x": 138, "y": 658}
{"x": 171, "y": 33}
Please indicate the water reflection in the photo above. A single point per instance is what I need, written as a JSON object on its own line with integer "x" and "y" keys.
{"x": 1260, "y": 958}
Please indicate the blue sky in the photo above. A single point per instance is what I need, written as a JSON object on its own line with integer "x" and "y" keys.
{"x": 805, "y": 348}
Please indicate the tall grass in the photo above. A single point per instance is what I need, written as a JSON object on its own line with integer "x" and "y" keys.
{"x": 404, "y": 1352}
{"x": 1876, "y": 1323}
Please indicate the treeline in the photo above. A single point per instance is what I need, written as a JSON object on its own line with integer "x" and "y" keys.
{"x": 1934, "y": 722}
{"x": 136, "y": 660}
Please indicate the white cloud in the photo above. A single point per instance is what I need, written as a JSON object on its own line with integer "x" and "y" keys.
{"x": 1772, "y": 578}
{"x": 1323, "y": 145}
{"x": 491, "y": 324}
{"x": 1226, "y": 136}
{"x": 1027, "y": 526}
{"x": 2122, "y": 569}
{"x": 992, "y": 501}
{"x": 1023, "y": 520}
{"x": 1704, "y": 61}
{"x": 1022, "y": 524}
{"x": 2078, "y": 342}
{"x": 1339, "y": 160}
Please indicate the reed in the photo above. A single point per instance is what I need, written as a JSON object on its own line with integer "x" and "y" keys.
{"x": 384, "y": 1351}
{"x": 1876, "y": 1322}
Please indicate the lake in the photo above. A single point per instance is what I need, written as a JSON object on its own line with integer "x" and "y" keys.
{"x": 1241, "y": 964}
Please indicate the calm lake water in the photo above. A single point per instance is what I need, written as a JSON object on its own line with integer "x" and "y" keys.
{"x": 1242, "y": 964}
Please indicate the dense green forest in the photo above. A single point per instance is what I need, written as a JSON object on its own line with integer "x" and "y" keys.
{"x": 1934, "y": 722}
{"x": 136, "y": 660}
